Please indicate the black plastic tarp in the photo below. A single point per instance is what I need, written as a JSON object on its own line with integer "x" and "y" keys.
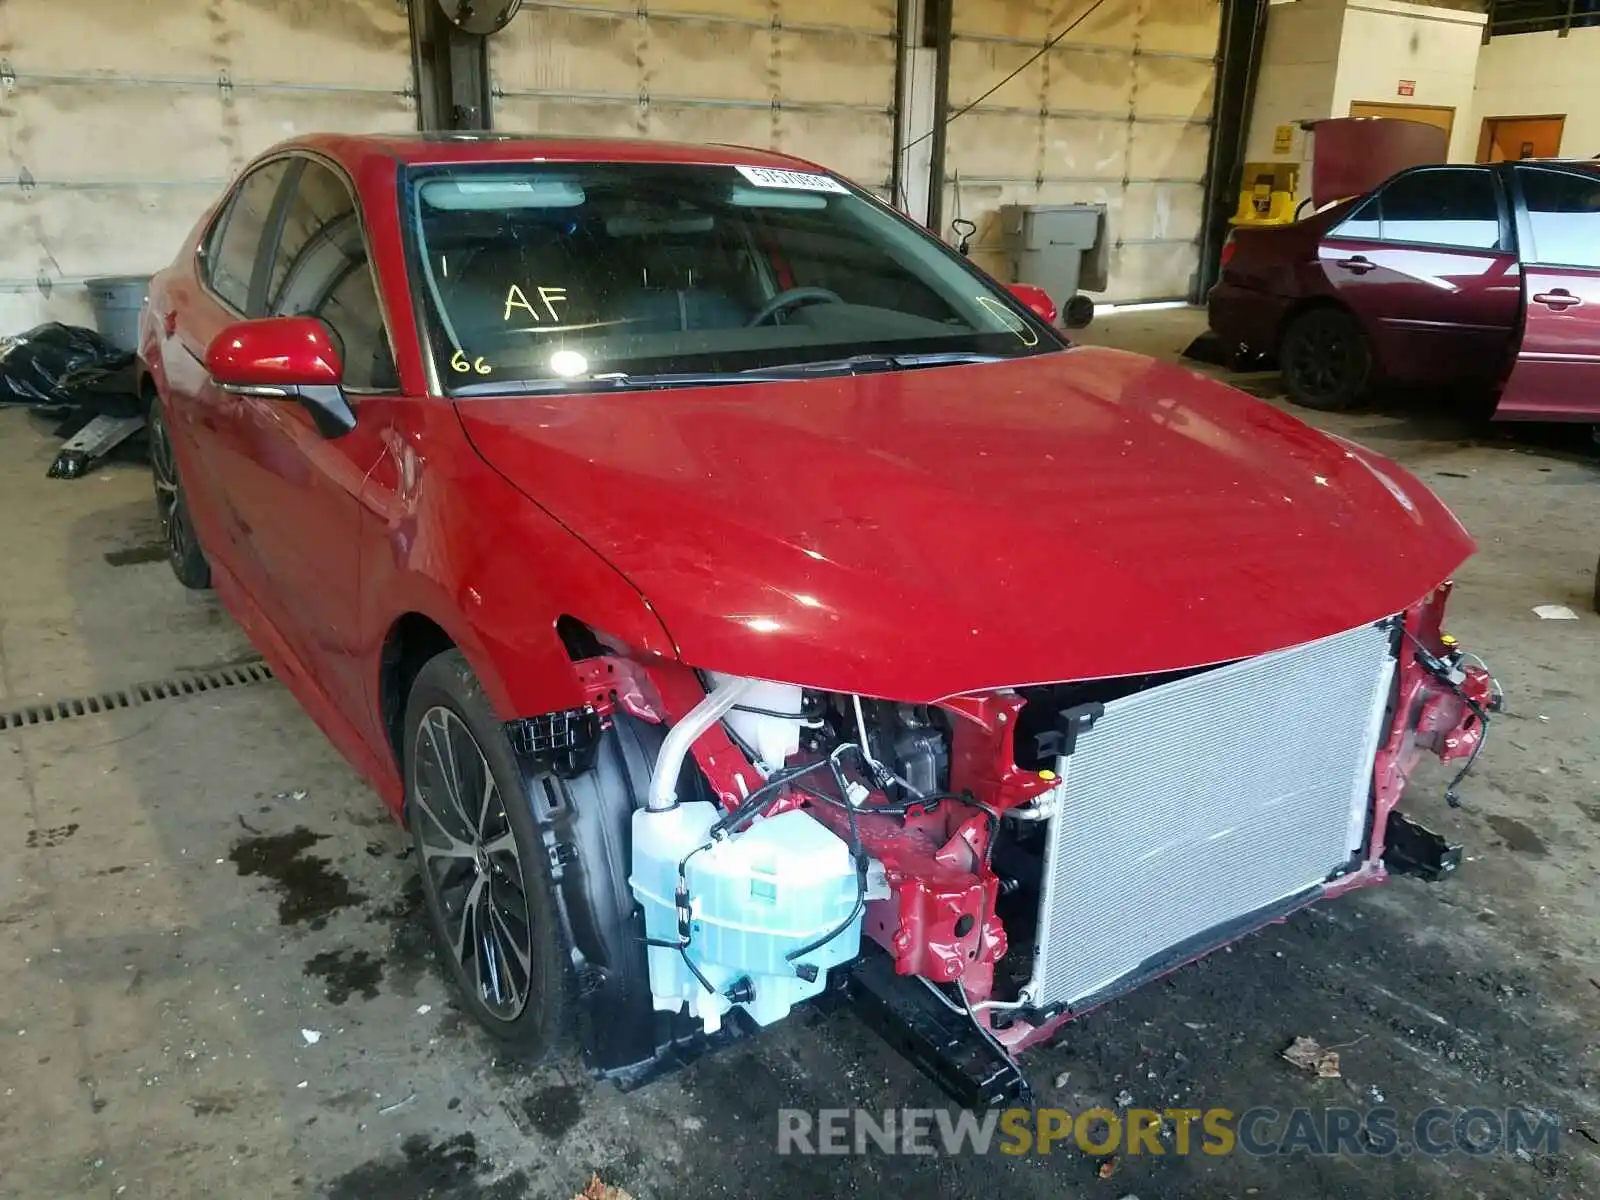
{"x": 59, "y": 366}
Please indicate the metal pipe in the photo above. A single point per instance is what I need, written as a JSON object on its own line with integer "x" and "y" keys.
{"x": 902, "y": 56}
{"x": 646, "y": 98}
{"x": 682, "y": 736}
{"x": 1127, "y": 50}
{"x": 944, "y": 14}
{"x": 1241, "y": 43}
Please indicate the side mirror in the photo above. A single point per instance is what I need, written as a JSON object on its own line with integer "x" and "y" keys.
{"x": 1036, "y": 300}
{"x": 284, "y": 358}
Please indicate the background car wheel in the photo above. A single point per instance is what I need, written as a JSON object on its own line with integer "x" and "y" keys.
{"x": 485, "y": 874}
{"x": 177, "y": 529}
{"x": 1325, "y": 360}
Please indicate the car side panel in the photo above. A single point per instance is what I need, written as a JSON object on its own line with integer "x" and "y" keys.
{"x": 1556, "y": 376}
{"x": 1557, "y": 371}
{"x": 1272, "y": 270}
{"x": 444, "y": 536}
{"x": 1246, "y": 316}
{"x": 182, "y": 319}
{"x": 1432, "y": 313}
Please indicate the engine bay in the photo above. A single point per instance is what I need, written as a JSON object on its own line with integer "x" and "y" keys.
{"x": 987, "y": 867}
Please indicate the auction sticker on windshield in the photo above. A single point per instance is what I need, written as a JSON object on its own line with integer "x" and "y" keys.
{"x": 771, "y": 177}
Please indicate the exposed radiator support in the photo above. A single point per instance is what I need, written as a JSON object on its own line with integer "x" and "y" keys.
{"x": 1190, "y": 806}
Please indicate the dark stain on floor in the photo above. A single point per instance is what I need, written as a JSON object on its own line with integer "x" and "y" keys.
{"x": 1518, "y": 836}
{"x": 411, "y": 953}
{"x": 211, "y": 1105}
{"x": 148, "y": 553}
{"x": 448, "y": 1169}
{"x": 1418, "y": 1021}
{"x": 346, "y": 972}
{"x": 309, "y": 889}
{"x": 554, "y": 1110}
{"x": 43, "y": 839}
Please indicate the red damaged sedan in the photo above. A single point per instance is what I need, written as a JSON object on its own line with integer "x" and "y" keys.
{"x": 1443, "y": 275}
{"x": 737, "y": 593}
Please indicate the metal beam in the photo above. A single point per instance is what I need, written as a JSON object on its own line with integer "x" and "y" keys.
{"x": 1244, "y": 28}
{"x": 943, "y": 15}
{"x": 903, "y": 42}
{"x": 452, "y": 71}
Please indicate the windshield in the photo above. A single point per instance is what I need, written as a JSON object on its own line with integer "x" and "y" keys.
{"x": 570, "y": 274}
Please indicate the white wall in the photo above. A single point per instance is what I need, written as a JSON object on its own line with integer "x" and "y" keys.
{"x": 1299, "y": 63}
{"x": 1543, "y": 74}
{"x": 1385, "y": 41}
{"x": 127, "y": 120}
{"x": 1320, "y": 55}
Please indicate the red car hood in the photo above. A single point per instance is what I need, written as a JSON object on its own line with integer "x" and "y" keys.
{"x": 920, "y": 534}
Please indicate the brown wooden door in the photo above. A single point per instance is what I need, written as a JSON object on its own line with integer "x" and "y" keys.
{"x": 1507, "y": 139}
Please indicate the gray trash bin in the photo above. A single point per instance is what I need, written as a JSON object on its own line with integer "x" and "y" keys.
{"x": 117, "y": 300}
{"x": 1059, "y": 247}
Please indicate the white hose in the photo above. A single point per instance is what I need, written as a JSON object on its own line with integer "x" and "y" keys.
{"x": 880, "y": 770}
{"x": 682, "y": 736}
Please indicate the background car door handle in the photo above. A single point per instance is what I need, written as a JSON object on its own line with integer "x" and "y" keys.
{"x": 1558, "y": 299}
{"x": 1356, "y": 264}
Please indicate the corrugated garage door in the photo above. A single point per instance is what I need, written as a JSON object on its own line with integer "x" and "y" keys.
{"x": 1118, "y": 114}
{"x": 809, "y": 77}
{"x": 123, "y": 119}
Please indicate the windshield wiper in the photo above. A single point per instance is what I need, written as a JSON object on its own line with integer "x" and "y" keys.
{"x": 857, "y": 364}
{"x": 617, "y": 382}
{"x": 864, "y": 364}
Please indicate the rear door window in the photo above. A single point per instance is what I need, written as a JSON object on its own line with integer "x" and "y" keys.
{"x": 1563, "y": 217}
{"x": 1453, "y": 206}
{"x": 1364, "y": 223}
{"x": 235, "y": 243}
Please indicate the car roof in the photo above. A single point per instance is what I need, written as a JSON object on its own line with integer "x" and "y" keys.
{"x": 429, "y": 149}
{"x": 1581, "y": 164}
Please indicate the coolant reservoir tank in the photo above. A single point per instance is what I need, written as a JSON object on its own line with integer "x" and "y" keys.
{"x": 754, "y": 898}
{"x": 773, "y": 736}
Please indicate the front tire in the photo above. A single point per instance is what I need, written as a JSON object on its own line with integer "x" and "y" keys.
{"x": 188, "y": 560}
{"x": 1326, "y": 360}
{"x": 485, "y": 870}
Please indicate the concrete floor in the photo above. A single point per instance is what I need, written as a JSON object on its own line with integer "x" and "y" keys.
{"x": 192, "y": 892}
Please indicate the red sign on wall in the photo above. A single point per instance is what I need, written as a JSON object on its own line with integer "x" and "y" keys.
{"x": 1408, "y": 87}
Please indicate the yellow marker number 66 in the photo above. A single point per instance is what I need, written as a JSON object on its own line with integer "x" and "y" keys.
{"x": 460, "y": 365}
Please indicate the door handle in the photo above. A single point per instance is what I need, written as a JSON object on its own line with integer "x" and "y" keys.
{"x": 1557, "y": 299}
{"x": 1356, "y": 264}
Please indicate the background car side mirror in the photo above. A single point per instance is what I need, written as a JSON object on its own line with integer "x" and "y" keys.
{"x": 1036, "y": 300}
{"x": 283, "y": 358}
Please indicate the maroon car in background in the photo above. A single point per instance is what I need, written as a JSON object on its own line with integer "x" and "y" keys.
{"x": 1444, "y": 275}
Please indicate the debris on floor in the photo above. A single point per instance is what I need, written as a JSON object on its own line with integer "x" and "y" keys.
{"x": 1306, "y": 1054}
{"x": 397, "y": 1105}
{"x": 77, "y": 376}
{"x": 1554, "y": 612}
{"x": 597, "y": 1190}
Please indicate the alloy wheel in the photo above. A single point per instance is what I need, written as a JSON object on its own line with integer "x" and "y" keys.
{"x": 1326, "y": 360}
{"x": 169, "y": 493}
{"x": 474, "y": 867}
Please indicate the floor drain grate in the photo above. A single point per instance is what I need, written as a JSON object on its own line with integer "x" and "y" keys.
{"x": 174, "y": 687}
